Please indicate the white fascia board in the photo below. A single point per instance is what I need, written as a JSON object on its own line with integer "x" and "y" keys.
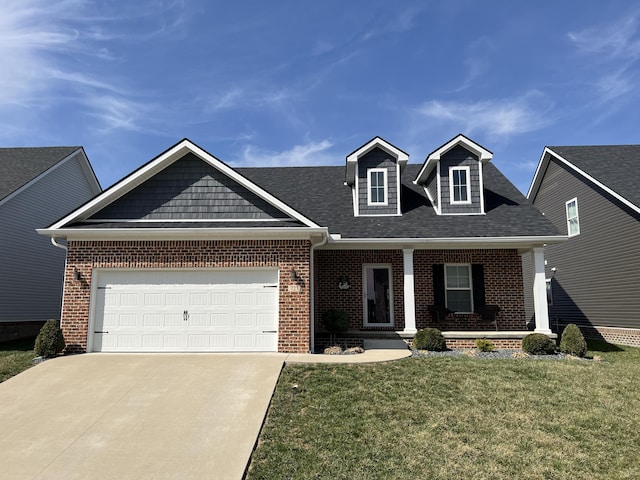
{"x": 43, "y": 174}
{"x": 89, "y": 173}
{"x": 535, "y": 185}
{"x": 523, "y": 243}
{"x": 352, "y": 159}
{"x": 127, "y": 234}
{"x": 161, "y": 162}
{"x": 483, "y": 154}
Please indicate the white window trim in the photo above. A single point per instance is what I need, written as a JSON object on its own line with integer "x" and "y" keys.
{"x": 577, "y": 217}
{"x": 549, "y": 287}
{"x": 365, "y": 306}
{"x": 470, "y": 289}
{"x": 386, "y": 187}
{"x": 468, "y": 175}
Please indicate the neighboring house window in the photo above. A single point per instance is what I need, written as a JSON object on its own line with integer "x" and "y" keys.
{"x": 377, "y": 186}
{"x": 573, "y": 222}
{"x": 458, "y": 291}
{"x": 459, "y": 185}
{"x": 549, "y": 293}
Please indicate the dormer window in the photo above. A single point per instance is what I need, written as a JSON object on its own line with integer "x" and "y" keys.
{"x": 459, "y": 184}
{"x": 377, "y": 186}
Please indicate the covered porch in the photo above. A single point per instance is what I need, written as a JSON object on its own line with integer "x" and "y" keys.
{"x": 467, "y": 293}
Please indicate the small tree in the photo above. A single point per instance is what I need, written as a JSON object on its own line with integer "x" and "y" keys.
{"x": 335, "y": 321}
{"x": 49, "y": 341}
{"x": 572, "y": 341}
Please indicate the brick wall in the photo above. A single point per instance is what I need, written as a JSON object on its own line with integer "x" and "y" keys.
{"x": 620, "y": 336}
{"x": 294, "y": 330}
{"x": 503, "y": 285}
{"x": 331, "y": 265}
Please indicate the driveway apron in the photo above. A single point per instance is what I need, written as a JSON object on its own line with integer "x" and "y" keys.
{"x": 158, "y": 416}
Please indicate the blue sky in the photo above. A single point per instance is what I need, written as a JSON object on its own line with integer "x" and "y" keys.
{"x": 259, "y": 83}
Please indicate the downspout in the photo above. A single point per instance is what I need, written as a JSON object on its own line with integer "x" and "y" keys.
{"x": 56, "y": 244}
{"x": 312, "y": 288}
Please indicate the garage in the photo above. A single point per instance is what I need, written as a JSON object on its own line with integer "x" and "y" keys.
{"x": 214, "y": 310}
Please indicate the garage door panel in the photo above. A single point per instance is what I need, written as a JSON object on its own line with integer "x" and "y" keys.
{"x": 226, "y": 310}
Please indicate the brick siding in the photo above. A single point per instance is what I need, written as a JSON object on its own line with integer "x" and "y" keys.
{"x": 620, "y": 336}
{"x": 502, "y": 276}
{"x": 293, "y": 331}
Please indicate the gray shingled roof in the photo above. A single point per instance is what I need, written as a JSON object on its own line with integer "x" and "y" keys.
{"x": 616, "y": 166}
{"x": 19, "y": 166}
{"x": 319, "y": 193}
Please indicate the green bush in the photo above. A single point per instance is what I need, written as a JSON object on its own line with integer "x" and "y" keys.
{"x": 49, "y": 341}
{"x": 538, "y": 344}
{"x": 572, "y": 342}
{"x": 335, "y": 321}
{"x": 485, "y": 345}
{"x": 429, "y": 339}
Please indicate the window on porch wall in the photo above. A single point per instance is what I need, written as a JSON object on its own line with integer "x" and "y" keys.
{"x": 459, "y": 287}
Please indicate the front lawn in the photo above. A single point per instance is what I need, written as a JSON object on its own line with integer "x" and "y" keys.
{"x": 15, "y": 357}
{"x": 443, "y": 418}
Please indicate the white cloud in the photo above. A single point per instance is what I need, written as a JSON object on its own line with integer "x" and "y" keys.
{"x": 312, "y": 153}
{"x": 53, "y": 50}
{"x": 616, "y": 40}
{"x": 505, "y": 117}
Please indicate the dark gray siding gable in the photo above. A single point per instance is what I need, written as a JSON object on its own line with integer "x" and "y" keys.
{"x": 460, "y": 157}
{"x": 598, "y": 271}
{"x": 378, "y": 158}
{"x": 190, "y": 189}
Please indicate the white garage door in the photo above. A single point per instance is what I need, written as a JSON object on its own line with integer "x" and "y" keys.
{"x": 186, "y": 311}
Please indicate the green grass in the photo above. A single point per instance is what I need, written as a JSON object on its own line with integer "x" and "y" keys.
{"x": 15, "y": 357}
{"x": 443, "y": 418}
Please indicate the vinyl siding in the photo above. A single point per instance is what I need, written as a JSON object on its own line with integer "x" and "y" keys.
{"x": 189, "y": 189}
{"x": 460, "y": 157}
{"x": 432, "y": 187}
{"x": 32, "y": 269}
{"x": 598, "y": 271}
{"x": 378, "y": 158}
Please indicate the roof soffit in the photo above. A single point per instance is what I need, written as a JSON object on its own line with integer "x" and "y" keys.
{"x": 433, "y": 158}
{"x": 376, "y": 142}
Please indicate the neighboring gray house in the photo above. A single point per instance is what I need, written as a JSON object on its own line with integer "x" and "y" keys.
{"x": 37, "y": 186}
{"x": 591, "y": 193}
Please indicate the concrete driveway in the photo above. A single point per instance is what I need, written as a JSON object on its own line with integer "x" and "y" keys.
{"x": 138, "y": 416}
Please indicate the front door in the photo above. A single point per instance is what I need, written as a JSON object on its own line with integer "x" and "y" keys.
{"x": 378, "y": 296}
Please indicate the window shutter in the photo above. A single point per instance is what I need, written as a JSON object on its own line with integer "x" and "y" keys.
{"x": 477, "y": 277}
{"x": 438, "y": 285}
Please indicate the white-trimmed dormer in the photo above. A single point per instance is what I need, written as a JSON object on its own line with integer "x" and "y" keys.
{"x": 452, "y": 177}
{"x": 373, "y": 173}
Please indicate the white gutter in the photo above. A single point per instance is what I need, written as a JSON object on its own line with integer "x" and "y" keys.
{"x": 312, "y": 289}
{"x": 56, "y": 244}
{"x": 445, "y": 243}
{"x": 179, "y": 233}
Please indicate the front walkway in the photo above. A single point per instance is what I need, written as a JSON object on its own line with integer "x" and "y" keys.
{"x": 375, "y": 350}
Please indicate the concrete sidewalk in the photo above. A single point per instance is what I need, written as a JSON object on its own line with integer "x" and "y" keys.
{"x": 375, "y": 350}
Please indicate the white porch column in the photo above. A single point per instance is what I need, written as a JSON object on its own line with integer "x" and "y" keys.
{"x": 409, "y": 292}
{"x": 540, "y": 292}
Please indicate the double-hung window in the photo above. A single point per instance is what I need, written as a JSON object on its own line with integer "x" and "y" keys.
{"x": 459, "y": 186}
{"x": 459, "y": 296}
{"x": 377, "y": 186}
{"x": 573, "y": 222}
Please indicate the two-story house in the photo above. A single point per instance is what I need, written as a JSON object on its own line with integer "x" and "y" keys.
{"x": 591, "y": 194}
{"x": 189, "y": 254}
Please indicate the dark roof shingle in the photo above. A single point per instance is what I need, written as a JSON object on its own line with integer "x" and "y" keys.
{"x": 616, "y": 166}
{"x": 18, "y": 166}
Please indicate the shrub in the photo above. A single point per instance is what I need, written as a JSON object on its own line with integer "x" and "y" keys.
{"x": 538, "y": 344}
{"x": 335, "y": 321}
{"x": 429, "y": 339}
{"x": 485, "y": 345}
{"x": 572, "y": 342}
{"x": 49, "y": 341}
